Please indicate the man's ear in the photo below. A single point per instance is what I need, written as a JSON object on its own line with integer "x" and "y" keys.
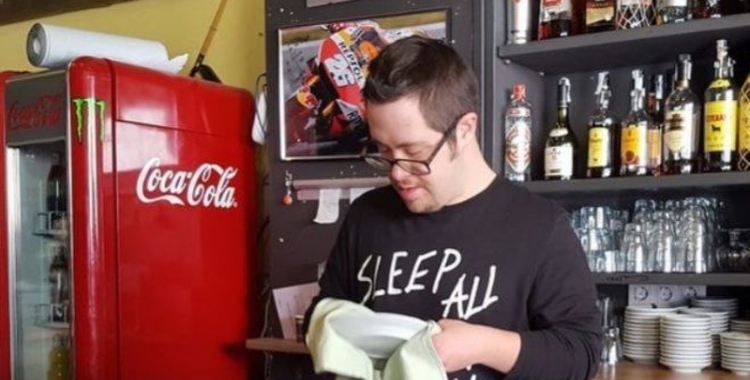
{"x": 466, "y": 129}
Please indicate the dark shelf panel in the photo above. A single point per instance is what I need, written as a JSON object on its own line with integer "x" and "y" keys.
{"x": 709, "y": 279}
{"x": 682, "y": 183}
{"x": 632, "y": 47}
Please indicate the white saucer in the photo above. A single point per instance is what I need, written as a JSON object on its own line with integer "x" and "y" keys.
{"x": 377, "y": 334}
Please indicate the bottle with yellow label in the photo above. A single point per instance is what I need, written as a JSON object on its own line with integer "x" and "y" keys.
{"x": 655, "y": 110}
{"x": 634, "y": 133}
{"x": 720, "y": 115}
{"x": 743, "y": 160}
{"x": 601, "y": 133}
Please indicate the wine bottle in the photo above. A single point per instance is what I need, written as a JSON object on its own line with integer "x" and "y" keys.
{"x": 561, "y": 148}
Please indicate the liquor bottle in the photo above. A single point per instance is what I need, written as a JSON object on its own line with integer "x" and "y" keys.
{"x": 706, "y": 9}
{"x": 634, "y": 140}
{"x": 682, "y": 118}
{"x": 59, "y": 285}
{"x": 518, "y": 136}
{"x": 555, "y": 19}
{"x": 720, "y": 120}
{"x": 519, "y": 26}
{"x": 59, "y": 359}
{"x": 600, "y": 15}
{"x": 672, "y": 11}
{"x": 560, "y": 151}
{"x": 633, "y": 14}
{"x": 743, "y": 162}
{"x": 601, "y": 132}
{"x": 655, "y": 110}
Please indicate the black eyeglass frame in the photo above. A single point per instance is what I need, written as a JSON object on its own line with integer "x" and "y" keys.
{"x": 386, "y": 164}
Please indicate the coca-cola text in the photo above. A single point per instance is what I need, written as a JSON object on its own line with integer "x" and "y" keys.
{"x": 207, "y": 186}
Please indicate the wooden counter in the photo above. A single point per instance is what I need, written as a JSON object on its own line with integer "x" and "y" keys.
{"x": 276, "y": 345}
{"x": 625, "y": 370}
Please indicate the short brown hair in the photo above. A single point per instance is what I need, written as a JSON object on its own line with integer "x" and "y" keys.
{"x": 428, "y": 69}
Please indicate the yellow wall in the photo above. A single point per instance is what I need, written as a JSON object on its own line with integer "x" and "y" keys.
{"x": 237, "y": 53}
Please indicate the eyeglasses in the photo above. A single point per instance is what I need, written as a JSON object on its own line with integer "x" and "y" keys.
{"x": 415, "y": 167}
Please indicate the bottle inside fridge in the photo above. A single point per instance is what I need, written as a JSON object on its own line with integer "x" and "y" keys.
{"x": 39, "y": 257}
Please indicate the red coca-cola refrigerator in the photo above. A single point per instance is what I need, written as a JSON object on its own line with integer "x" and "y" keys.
{"x": 128, "y": 225}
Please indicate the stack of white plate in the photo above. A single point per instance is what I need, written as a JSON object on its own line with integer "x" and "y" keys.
{"x": 719, "y": 303}
{"x": 686, "y": 344}
{"x": 740, "y": 325}
{"x": 719, "y": 324}
{"x": 640, "y": 335}
{"x": 735, "y": 352}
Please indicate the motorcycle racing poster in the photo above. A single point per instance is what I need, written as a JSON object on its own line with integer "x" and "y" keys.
{"x": 323, "y": 70}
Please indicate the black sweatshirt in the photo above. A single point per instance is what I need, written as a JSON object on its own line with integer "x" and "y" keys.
{"x": 505, "y": 258}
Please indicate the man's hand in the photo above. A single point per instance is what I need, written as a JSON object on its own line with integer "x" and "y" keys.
{"x": 463, "y": 344}
{"x": 454, "y": 344}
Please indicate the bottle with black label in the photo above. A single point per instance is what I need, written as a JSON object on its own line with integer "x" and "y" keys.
{"x": 56, "y": 188}
{"x": 655, "y": 110}
{"x": 672, "y": 11}
{"x": 720, "y": 120}
{"x": 601, "y": 132}
{"x": 59, "y": 285}
{"x": 682, "y": 121}
{"x": 555, "y": 19}
{"x": 518, "y": 136}
{"x": 634, "y": 134}
{"x": 561, "y": 148}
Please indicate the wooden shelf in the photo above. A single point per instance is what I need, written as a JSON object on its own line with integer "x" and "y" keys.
{"x": 627, "y": 370}
{"x": 276, "y": 345}
{"x": 614, "y": 49}
{"x": 709, "y": 279}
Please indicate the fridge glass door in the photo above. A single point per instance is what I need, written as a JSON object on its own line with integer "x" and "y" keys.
{"x": 39, "y": 242}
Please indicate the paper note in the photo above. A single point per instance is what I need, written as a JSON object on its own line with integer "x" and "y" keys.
{"x": 328, "y": 206}
{"x": 291, "y": 301}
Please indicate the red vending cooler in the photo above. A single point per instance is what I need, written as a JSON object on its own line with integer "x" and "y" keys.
{"x": 128, "y": 225}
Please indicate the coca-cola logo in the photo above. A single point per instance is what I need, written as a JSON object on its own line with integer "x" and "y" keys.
{"x": 45, "y": 111}
{"x": 206, "y": 186}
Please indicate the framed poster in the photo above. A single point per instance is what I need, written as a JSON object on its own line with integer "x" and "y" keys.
{"x": 322, "y": 72}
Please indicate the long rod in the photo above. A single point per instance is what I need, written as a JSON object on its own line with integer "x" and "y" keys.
{"x": 210, "y": 36}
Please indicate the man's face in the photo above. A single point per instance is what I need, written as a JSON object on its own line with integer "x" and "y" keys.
{"x": 400, "y": 132}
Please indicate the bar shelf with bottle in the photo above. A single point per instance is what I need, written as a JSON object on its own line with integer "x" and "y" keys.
{"x": 708, "y": 279}
{"x": 630, "y": 47}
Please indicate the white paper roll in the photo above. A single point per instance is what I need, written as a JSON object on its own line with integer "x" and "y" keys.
{"x": 54, "y": 46}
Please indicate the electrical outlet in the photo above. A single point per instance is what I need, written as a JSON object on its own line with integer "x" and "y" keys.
{"x": 663, "y": 295}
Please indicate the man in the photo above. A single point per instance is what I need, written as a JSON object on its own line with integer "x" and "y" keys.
{"x": 498, "y": 267}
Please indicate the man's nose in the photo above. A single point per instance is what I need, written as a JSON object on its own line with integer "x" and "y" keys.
{"x": 398, "y": 173}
